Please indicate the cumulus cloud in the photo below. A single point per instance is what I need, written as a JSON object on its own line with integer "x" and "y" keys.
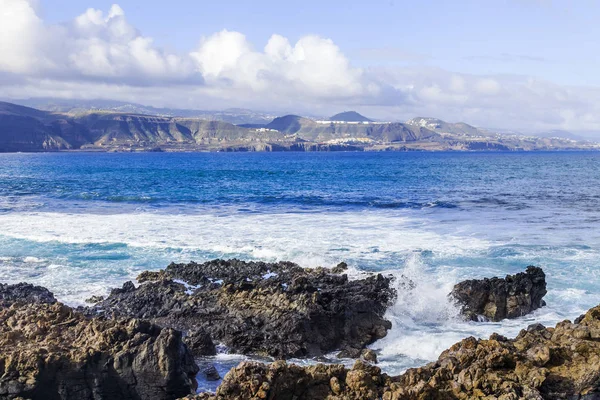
{"x": 94, "y": 45}
{"x": 99, "y": 54}
{"x": 313, "y": 66}
{"x": 21, "y": 35}
{"x": 99, "y": 45}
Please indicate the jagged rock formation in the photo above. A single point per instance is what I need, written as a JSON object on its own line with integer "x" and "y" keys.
{"x": 539, "y": 364}
{"x": 498, "y": 298}
{"x": 275, "y": 309}
{"x": 49, "y": 351}
{"x": 26, "y": 293}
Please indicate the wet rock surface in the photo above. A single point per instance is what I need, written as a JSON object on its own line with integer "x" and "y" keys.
{"x": 50, "y": 351}
{"x": 498, "y": 298}
{"x": 539, "y": 364}
{"x": 211, "y": 373}
{"x": 26, "y": 293}
{"x": 275, "y": 309}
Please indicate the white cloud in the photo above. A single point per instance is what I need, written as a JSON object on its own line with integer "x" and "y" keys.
{"x": 313, "y": 66}
{"x": 20, "y": 33}
{"x": 99, "y": 45}
{"x": 99, "y": 54}
{"x": 504, "y": 101}
{"x": 487, "y": 87}
{"x": 107, "y": 46}
{"x": 93, "y": 45}
{"x": 221, "y": 54}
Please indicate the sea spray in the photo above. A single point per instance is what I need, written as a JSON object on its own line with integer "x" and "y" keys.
{"x": 315, "y": 210}
{"x": 419, "y": 315}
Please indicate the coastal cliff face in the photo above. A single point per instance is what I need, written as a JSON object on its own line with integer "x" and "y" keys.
{"x": 28, "y": 129}
{"x": 539, "y": 364}
{"x": 275, "y": 309}
{"x": 50, "y": 351}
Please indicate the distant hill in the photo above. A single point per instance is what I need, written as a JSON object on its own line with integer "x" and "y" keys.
{"x": 15, "y": 109}
{"x": 309, "y": 129}
{"x": 68, "y": 106}
{"x": 289, "y": 123}
{"x": 350, "y": 116}
{"x": 28, "y": 129}
{"x": 463, "y": 129}
{"x": 312, "y": 130}
{"x": 107, "y": 129}
{"x": 439, "y": 126}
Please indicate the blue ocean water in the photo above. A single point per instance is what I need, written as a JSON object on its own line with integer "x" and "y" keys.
{"x": 81, "y": 223}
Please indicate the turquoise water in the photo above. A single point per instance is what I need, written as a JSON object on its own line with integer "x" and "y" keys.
{"x": 81, "y": 223}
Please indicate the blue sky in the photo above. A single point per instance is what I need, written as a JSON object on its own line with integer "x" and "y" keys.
{"x": 514, "y": 64}
{"x": 555, "y": 40}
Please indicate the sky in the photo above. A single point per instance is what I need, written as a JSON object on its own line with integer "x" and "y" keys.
{"x": 511, "y": 64}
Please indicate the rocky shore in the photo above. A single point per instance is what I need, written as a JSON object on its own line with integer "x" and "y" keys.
{"x": 273, "y": 309}
{"x": 539, "y": 364}
{"x": 50, "y": 351}
{"x": 140, "y": 342}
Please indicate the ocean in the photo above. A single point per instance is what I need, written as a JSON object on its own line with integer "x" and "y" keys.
{"x": 82, "y": 223}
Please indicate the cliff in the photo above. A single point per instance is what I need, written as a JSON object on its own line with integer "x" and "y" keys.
{"x": 28, "y": 129}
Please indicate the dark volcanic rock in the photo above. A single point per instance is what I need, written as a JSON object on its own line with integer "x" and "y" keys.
{"x": 275, "y": 309}
{"x": 49, "y": 351}
{"x": 496, "y": 299}
{"x": 539, "y": 364}
{"x": 200, "y": 343}
{"x": 24, "y": 293}
{"x": 211, "y": 373}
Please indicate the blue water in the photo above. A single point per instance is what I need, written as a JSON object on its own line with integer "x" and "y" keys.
{"x": 80, "y": 223}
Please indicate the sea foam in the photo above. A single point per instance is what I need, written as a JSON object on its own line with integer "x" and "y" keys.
{"x": 77, "y": 255}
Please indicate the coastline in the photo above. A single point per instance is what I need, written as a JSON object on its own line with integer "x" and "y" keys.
{"x": 92, "y": 222}
{"x": 384, "y": 149}
{"x": 540, "y": 363}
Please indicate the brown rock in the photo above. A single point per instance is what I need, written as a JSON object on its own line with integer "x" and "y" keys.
{"x": 49, "y": 351}
{"x": 369, "y": 356}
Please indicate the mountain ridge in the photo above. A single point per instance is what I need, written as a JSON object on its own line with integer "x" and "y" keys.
{"x": 66, "y": 106}
{"x": 28, "y": 129}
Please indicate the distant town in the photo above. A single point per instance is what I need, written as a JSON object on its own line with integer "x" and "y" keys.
{"x": 326, "y": 122}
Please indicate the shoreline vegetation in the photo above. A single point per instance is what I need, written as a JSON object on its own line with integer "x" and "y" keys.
{"x": 24, "y": 129}
{"x": 141, "y": 340}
